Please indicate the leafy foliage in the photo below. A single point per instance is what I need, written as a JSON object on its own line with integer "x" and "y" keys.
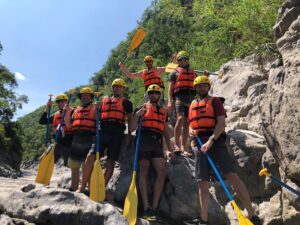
{"x": 212, "y": 31}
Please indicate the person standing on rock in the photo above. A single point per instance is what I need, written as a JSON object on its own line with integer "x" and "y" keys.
{"x": 83, "y": 122}
{"x": 150, "y": 75}
{"x": 207, "y": 120}
{"x": 182, "y": 91}
{"x": 115, "y": 110}
{"x": 64, "y": 142}
{"x": 154, "y": 126}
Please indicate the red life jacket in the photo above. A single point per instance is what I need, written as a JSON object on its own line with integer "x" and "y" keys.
{"x": 202, "y": 117}
{"x": 185, "y": 80}
{"x": 84, "y": 118}
{"x": 152, "y": 77}
{"x": 154, "y": 119}
{"x": 56, "y": 121}
{"x": 112, "y": 109}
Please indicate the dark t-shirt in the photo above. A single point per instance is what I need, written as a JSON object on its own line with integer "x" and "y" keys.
{"x": 146, "y": 131}
{"x": 219, "y": 110}
{"x": 185, "y": 96}
{"x": 66, "y": 140}
{"x": 114, "y": 126}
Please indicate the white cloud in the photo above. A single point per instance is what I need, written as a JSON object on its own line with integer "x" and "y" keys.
{"x": 19, "y": 76}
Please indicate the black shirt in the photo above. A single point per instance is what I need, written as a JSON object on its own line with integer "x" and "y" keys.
{"x": 114, "y": 126}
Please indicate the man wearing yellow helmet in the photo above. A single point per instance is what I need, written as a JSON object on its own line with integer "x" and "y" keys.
{"x": 83, "y": 123}
{"x": 64, "y": 141}
{"x": 114, "y": 111}
{"x": 154, "y": 127}
{"x": 182, "y": 91}
{"x": 150, "y": 75}
{"x": 207, "y": 120}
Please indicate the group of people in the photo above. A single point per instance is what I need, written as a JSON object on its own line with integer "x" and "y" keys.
{"x": 197, "y": 114}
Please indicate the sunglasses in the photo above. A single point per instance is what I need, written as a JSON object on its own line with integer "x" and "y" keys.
{"x": 183, "y": 59}
{"x": 154, "y": 93}
{"x": 59, "y": 101}
{"x": 148, "y": 61}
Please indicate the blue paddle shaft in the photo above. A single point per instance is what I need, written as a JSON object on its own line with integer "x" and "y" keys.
{"x": 97, "y": 127}
{"x": 137, "y": 143}
{"x": 62, "y": 120}
{"x": 48, "y": 125}
{"x": 216, "y": 171}
{"x": 285, "y": 185}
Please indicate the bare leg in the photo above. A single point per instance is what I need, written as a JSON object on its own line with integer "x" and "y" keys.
{"x": 185, "y": 132}
{"x": 109, "y": 170}
{"x": 178, "y": 129}
{"x": 74, "y": 178}
{"x": 144, "y": 170}
{"x": 159, "y": 165}
{"x": 204, "y": 196}
{"x": 87, "y": 171}
{"x": 241, "y": 191}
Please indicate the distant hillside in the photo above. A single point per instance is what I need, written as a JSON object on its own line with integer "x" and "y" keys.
{"x": 214, "y": 32}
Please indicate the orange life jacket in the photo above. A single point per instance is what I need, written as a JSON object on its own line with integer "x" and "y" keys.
{"x": 185, "y": 80}
{"x": 84, "y": 118}
{"x": 153, "y": 119}
{"x": 202, "y": 117}
{"x": 112, "y": 109}
{"x": 152, "y": 77}
{"x": 56, "y": 121}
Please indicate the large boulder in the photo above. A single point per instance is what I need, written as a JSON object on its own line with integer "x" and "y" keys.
{"x": 59, "y": 206}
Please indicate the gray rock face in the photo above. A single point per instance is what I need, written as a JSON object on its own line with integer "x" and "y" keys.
{"x": 59, "y": 206}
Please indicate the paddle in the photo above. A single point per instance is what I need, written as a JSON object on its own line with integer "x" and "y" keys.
{"x": 97, "y": 184}
{"x": 48, "y": 123}
{"x": 265, "y": 172}
{"x": 171, "y": 67}
{"x": 136, "y": 41}
{"x": 131, "y": 200}
{"x": 241, "y": 218}
{"x": 46, "y": 165}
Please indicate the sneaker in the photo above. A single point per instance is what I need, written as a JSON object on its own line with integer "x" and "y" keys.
{"x": 203, "y": 222}
{"x": 255, "y": 220}
{"x": 149, "y": 214}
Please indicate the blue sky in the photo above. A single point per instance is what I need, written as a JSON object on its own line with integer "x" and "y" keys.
{"x": 55, "y": 45}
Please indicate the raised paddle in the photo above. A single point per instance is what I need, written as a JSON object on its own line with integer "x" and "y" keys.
{"x": 46, "y": 165}
{"x": 137, "y": 39}
{"x": 171, "y": 67}
{"x": 265, "y": 172}
{"x": 131, "y": 200}
{"x": 241, "y": 218}
{"x": 97, "y": 184}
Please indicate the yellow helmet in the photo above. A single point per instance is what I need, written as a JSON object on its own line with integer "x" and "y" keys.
{"x": 85, "y": 90}
{"x": 119, "y": 82}
{"x": 202, "y": 80}
{"x": 153, "y": 87}
{"x": 182, "y": 54}
{"x": 61, "y": 97}
{"x": 148, "y": 58}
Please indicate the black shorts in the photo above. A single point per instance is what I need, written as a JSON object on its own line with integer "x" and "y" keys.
{"x": 81, "y": 146}
{"x": 111, "y": 142}
{"x": 220, "y": 157}
{"x": 61, "y": 151}
{"x": 182, "y": 103}
{"x": 151, "y": 145}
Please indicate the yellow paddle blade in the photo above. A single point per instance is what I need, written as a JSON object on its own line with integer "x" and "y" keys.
{"x": 171, "y": 67}
{"x": 97, "y": 189}
{"x": 241, "y": 218}
{"x": 131, "y": 202}
{"x": 46, "y": 166}
{"x": 220, "y": 74}
{"x": 264, "y": 172}
{"x": 136, "y": 40}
